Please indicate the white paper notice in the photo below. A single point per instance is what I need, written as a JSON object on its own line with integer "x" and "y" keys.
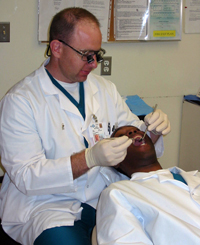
{"x": 130, "y": 19}
{"x": 192, "y": 16}
{"x": 47, "y": 9}
{"x": 165, "y": 20}
{"x": 99, "y": 8}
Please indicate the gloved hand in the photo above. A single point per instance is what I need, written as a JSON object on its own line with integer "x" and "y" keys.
{"x": 107, "y": 152}
{"x": 158, "y": 123}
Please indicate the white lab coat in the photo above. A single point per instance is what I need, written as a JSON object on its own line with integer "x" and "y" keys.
{"x": 39, "y": 130}
{"x": 151, "y": 208}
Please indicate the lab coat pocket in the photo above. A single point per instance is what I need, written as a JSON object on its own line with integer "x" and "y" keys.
{"x": 18, "y": 206}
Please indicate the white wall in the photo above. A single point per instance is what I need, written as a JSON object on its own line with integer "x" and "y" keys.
{"x": 159, "y": 72}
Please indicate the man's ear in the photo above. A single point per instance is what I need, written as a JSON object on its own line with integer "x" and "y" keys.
{"x": 56, "y": 48}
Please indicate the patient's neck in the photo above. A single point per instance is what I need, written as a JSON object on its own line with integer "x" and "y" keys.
{"x": 128, "y": 167}
{"x": 147, "y": 168}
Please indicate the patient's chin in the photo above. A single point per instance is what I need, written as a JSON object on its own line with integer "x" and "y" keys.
{"x": 117, "y": 166}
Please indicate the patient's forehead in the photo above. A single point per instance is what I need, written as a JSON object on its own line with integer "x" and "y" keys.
{"x": 122, "y": 130}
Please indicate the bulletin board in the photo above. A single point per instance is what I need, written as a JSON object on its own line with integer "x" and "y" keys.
{"x": 122, "y": 20}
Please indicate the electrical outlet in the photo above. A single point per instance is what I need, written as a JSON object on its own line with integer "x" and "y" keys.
{"x": 106, "y": 66}
{"x": 4, "y": 32}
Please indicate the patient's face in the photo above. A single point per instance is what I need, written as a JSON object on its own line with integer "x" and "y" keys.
{"x": 139, "y": 151}
{"x": 135, "y": 134}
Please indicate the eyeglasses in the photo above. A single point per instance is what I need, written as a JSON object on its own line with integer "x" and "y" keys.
{"x": 85, "y": 56}
{"x": 88, "y": 55}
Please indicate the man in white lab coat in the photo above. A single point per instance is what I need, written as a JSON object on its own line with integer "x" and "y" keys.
{"x": 153, "y": 206}
{"x": 54, "y": 130}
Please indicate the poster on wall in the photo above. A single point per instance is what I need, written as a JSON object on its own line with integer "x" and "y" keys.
{"x": 48, "y": 8}
{"x": 129, "y": 19}
{"x": 122, "y": 20}
{"x": 192, "y": 16}
{"x": 165, "y": 20}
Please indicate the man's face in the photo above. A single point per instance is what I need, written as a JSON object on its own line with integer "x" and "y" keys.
{"x": 138, "y": 151}
{"x": 87, "y": 36}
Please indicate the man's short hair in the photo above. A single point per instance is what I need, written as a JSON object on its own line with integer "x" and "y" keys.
{"x": 64, "y": 22}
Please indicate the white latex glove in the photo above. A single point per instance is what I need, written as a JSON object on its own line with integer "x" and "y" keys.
{"x": 158, "y": 123}
{"x": 107, "y": 152}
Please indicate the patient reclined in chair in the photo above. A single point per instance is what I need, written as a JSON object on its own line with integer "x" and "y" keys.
{"x": 155, "y": 206}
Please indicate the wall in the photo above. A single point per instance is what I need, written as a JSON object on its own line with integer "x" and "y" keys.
{"x": 159, "y": 72}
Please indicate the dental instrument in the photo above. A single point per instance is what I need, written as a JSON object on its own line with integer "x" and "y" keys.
{"x": 148, "y": 124}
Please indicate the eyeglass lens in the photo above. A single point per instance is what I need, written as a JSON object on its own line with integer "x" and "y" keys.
{"x": 99, "y": 57}
{"x": 90, "y": 59}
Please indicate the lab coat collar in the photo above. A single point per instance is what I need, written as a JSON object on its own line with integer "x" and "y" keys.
{"x": 92, "y": 106}
{"x": 191, "y": 178}
{"x": 47, "y": 85}
{"x": 111, "y": 175}
{"x": 162, "y": 175}
{"x": 165, "y": 175}
{"x": 193, "y": 183}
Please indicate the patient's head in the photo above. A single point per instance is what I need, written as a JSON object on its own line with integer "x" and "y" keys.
{"x": 141, "y": 155}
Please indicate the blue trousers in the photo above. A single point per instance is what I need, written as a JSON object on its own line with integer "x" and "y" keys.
{"x": 79, "y": 234}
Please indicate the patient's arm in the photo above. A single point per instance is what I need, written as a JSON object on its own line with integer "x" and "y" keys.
{"x": 116, "y": 220}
